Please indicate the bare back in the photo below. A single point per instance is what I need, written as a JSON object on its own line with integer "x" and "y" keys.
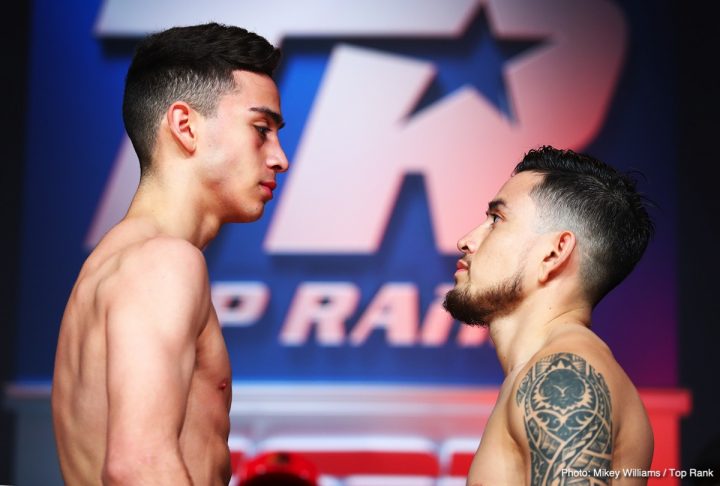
{"x": 569, "y": 413}
{"x": 100, "y": 343}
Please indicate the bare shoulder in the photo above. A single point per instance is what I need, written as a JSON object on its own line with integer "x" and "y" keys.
{"x": 168, "y": 260}
{"x": 164, "y": 253}
{"x": 160, "y": 274}
{"x": 575, "y": 409}
{"x": 579, "y": 351}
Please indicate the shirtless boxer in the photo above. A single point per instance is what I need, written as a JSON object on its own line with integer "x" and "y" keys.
{"x": 141, "y": 391}
{"x": 560, "y": 234}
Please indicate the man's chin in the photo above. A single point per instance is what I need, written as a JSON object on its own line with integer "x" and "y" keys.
{"x": 249, "y": 216}
{"x": 460, "y": 305}
{"x": 481, "y": 308}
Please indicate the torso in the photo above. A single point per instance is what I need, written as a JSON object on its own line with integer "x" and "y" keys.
{"x": 79, "y": 395}
{"x": 503, "y": 456}
{"x": 499, "y": 456}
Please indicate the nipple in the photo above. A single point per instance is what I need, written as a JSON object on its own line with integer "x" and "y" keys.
{"x": 223, "y": 384}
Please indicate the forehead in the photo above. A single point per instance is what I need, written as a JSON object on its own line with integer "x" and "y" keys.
{"x": 515, "y": 193}
{"x": 255, "y": 89}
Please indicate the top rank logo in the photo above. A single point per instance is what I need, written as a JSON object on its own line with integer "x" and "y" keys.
{"x": 363, "y": 135}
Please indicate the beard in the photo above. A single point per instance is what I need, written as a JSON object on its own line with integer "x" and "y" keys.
{"x": 480, "y": 308}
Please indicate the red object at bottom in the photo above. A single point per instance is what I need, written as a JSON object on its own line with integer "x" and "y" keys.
{"x": 274, "y": 468}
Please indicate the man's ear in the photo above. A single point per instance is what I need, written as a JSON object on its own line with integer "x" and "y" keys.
{"x": 560, "y": 248}
{"x": 181, "y": 120}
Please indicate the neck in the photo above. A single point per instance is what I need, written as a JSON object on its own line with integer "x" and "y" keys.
{"x": 174, "y": 208}
{"x": 520, "y": 335}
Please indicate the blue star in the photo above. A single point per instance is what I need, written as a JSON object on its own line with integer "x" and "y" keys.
{"x": 476, "y": 59}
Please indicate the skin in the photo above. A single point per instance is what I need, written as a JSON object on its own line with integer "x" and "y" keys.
{"x": 548, "y": 329}
{"x": 142, "y": 384}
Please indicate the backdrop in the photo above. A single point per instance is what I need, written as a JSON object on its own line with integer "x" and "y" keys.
{"x": 402, "y": 122}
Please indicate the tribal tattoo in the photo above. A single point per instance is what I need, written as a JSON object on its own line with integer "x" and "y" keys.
{"x": 567, "y": 414}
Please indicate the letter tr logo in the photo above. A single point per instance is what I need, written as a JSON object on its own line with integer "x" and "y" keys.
{"x": 362, "y": 137}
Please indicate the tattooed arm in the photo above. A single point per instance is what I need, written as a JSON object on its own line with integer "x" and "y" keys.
{"x": 567, "y": 415}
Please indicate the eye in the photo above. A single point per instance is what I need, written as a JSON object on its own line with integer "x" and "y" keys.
{"x": 262, "y": 130}
{"x": 494, "y": 218}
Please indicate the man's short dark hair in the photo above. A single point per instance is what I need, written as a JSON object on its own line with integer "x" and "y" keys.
{"x": 193, "y": 64}
{"x": 597, "y": 203}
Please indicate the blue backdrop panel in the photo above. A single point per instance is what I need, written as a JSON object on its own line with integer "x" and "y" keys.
{"x": 75, "y": 130}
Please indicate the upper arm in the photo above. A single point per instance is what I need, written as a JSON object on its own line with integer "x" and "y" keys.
{"x": 566, "y": 413}
{"x": 158, "y": 307}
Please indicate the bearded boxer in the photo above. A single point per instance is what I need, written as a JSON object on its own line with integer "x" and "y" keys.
{"x": 562, "y": 232}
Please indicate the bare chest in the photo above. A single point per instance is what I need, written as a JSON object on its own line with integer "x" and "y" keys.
{"x": 210, "y": 393}
{"x": 212, "y": 377}
{"x": 499, "y": 459}
{"x": 203, "y": 439}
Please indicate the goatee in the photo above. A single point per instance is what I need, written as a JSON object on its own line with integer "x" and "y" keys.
{"x": 480, "y": 308}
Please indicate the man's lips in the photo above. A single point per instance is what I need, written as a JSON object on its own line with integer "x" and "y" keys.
{"x": 269, "y": 184}
{"x": 462, "y": 265}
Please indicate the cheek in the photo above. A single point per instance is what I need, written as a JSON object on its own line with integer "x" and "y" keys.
{"x": 481, "y": 270}
{"x": 494, "y": 260}
{"x": 216, "y": 153}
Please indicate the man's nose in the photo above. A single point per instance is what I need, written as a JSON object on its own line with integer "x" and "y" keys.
{"x": 277, "y": 160}
{"x": 466, "y": 244}
{"x": 469, "y": 243}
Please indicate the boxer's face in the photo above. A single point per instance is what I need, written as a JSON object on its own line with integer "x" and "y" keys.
{"x": 490, "y": 277}
{"x": 241, "y": 148}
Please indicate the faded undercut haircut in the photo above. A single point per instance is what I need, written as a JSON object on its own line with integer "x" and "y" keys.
{"x": 193, "y": 64}
{"x": 600, "y": 205}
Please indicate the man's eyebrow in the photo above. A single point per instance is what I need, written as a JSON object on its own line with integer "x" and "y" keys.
{"x": 277, "y": 117}
{"x": 497, "y": 204}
